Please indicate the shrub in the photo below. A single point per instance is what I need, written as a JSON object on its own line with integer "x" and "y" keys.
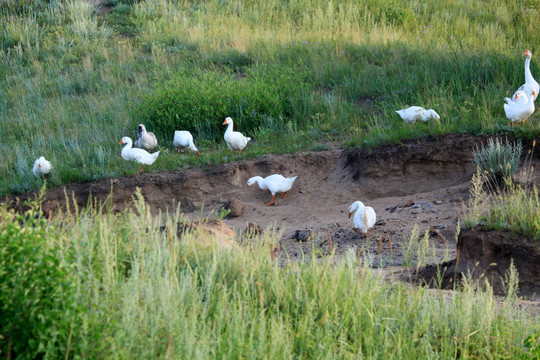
{"x": 200, "y": 101}
{"x": 37, "y": 292}
{"x": 497, "y": 159}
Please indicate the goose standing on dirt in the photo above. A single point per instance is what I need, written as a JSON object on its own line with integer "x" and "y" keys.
{"x": 184, "y": 139}
{"x": 41, "y": 167}
{"x": 275, "y": 183}
{"x": 530, "y": 84}
{"x": 519, "y": 109}
{"x": 234, "y": 139}
{"x": 364, "y": 217}
{"x": 145, "y": 139}
{"x": 415, "y": 113}
{"x": 138, "y": 155}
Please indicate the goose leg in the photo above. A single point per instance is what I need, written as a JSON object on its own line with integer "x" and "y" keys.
{"x": 284, "y": 195}
{"x": 272, "y": 201}
{"x": 240, "y": 152}
{"x": 189, "y": 150}
{"x": 232, "y": 152}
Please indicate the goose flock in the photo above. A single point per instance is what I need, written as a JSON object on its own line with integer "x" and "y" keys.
{"x": 518, "y": 109}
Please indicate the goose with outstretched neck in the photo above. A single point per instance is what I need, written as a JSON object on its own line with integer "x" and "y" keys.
{"x": 530, "y": 84}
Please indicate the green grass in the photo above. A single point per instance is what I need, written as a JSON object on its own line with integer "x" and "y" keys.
{"x": 513, "y": 208}
{"x": 130, "y": 289}
{"x": 72, "y": 83}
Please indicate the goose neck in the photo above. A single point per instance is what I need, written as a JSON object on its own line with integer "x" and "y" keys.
{"x": 528, "y": 75}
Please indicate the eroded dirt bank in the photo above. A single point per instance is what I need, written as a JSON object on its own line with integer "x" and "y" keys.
{"x": 420, "y": 183}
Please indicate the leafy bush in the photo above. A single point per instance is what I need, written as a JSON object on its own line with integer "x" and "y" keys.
{"x": 200, "y": 101}
{"x": 497, "y": 159}
{"x": 37, "y": 292}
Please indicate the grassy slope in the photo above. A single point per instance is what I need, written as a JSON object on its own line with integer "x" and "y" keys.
{"x": 115, "y": 286}
{"x": 72, "y": 85}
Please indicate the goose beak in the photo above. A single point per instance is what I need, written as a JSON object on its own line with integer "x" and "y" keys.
{"x": 247, "y": 186}
{"x": 526, "y": 53}
{"x": 39, "y": 166}
{"x": 515, "y": 97}
{"x": 121, "y": 142}
{"x": 198, "y": 153}
{"x": 225, "y": 122}
{"x": 534, "y": 92}
{"x": 350, "y": 213}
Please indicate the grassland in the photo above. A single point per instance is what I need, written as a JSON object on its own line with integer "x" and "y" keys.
{"x": 293, "y": 75}
{"x": 105, "y": 285}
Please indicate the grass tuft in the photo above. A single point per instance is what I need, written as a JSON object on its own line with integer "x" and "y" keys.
{"x": 499, "y": 160}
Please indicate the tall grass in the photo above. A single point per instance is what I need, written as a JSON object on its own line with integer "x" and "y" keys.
{"x": 72, "y": 82}
{"x": 515, "y": 208}
{"x": 142, "y": 292}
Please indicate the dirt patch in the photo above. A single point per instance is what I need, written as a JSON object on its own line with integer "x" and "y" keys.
{"x": 487, "y": 254}
{"x": 420, "y": 183}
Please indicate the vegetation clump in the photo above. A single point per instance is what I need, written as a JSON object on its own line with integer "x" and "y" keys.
{"x": 515, "y": 208}
{"x": 497, "y": 159}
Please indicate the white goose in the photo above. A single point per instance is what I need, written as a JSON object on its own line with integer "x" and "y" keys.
{"x": 364, "y": 217}
{"x": 145, "y": 139}
{"x": 41, "y": 167}
{"x": 530, "y": 84}
{"x": 234, "y": 139}
{"x": 415, "y": 113}
{"x": 138, "y": 155}
{"x": 184, "y": 139}
{"x": 275, "y": 183}
{"x": 519, "y": 109}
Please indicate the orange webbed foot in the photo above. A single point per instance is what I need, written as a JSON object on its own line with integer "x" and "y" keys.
{"x": 271, "y": 202}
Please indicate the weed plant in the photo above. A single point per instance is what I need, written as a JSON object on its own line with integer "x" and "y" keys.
{"x": 124, "y": 285}
{"x": 499, "y": 160}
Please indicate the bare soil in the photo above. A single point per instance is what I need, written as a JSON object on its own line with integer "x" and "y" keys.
{"x": 420, "y": 183}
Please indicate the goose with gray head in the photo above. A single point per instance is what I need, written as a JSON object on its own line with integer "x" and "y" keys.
{"x": 145, "y": 139}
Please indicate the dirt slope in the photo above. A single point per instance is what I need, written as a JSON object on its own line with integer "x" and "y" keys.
{"x": 419, "y": 182}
